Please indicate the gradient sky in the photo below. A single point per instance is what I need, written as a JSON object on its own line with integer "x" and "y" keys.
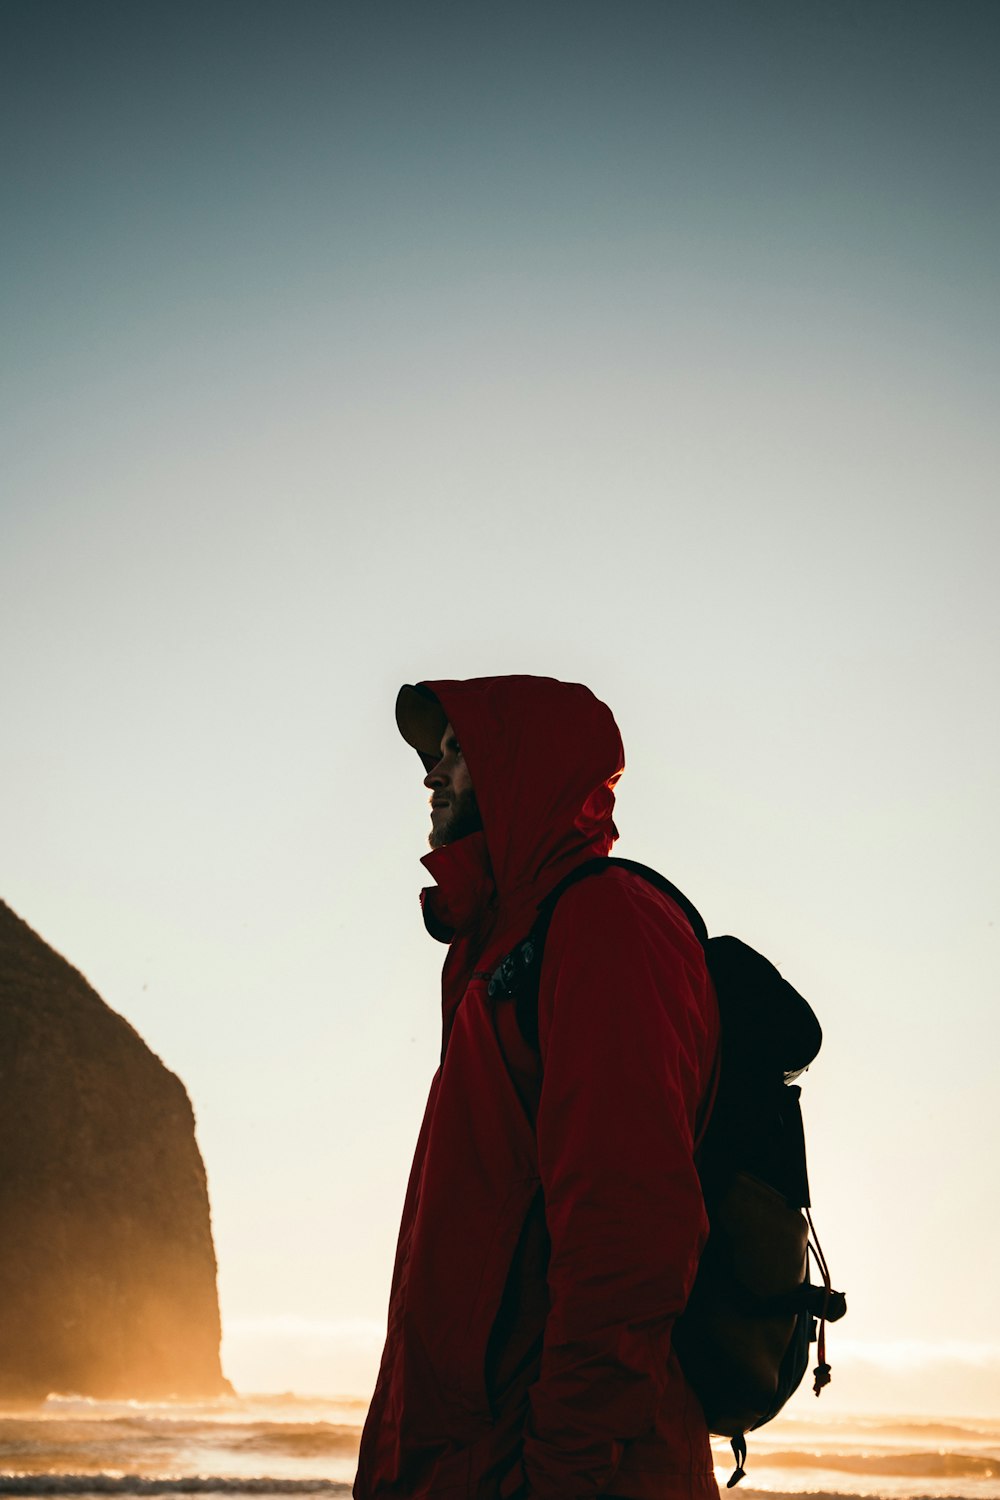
{"x": 650, "y": 345}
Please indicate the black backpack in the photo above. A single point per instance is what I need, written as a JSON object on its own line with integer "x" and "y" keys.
{"x": 743, "y": 1339}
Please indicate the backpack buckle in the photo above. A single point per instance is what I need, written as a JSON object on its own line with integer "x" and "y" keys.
{"x": 505, "y": 980}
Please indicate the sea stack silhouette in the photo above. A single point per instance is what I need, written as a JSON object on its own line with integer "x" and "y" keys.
{"x": 107, "y": 1267}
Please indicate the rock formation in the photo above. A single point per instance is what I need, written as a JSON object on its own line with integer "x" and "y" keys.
{"x": 107, "y": 1268}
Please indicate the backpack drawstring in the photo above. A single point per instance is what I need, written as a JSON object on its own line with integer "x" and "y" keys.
{"x": 739, "y": 1447}
{"x": 822, "y": 1372}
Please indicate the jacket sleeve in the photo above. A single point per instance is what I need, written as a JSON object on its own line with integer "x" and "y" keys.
{"x": 628, "y": 1027}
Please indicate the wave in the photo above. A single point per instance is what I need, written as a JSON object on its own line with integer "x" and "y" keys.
{"x": 294, "y": 1438}
{"x": 749, "y": 1494}
{"x": 836, "y": 1427}
{"x": 136, "y": 1484}
{"x": 302, "y": 1440}
{"x": 49, "y": 1442}
{"x": 902, "y": 1465}
{"x": 56, "y": 1405}
{"x": 943, "y": 1431}
{"x": 293, "y": 1398}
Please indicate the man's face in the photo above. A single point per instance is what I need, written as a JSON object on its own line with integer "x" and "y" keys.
{"x": 454, "y": 810}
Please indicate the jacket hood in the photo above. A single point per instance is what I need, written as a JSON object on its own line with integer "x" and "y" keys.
{"x": 544, "y": 757}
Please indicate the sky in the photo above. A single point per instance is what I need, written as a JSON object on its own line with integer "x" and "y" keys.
{"x": 653, "y": 346}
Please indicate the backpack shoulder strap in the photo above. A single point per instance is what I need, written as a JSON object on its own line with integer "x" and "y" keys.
{"x": 517, "y": 975}
{"x": 661, "y": 883}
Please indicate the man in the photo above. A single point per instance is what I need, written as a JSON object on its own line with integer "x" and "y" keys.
{"x": 554, "y": 1218}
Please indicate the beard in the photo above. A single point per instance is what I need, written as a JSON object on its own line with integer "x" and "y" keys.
{"x": 462, "y": 819}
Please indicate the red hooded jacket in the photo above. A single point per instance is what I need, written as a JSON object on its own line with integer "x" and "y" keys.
{"x": 554, "y": 1218}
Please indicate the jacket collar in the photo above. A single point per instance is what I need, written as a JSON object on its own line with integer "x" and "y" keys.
{"x": 464, "y": 887}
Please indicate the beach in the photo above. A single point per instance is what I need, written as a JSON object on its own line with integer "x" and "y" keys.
{"x": 272, "y": 1445}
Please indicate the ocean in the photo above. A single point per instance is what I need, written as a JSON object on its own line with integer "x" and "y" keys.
{"x": 282, "y": 1445}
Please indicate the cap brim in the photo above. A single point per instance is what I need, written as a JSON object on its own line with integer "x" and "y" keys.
{"x": 421, "y": 720}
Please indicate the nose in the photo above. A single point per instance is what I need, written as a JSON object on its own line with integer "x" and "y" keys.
{"x": 435, "y": 777}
